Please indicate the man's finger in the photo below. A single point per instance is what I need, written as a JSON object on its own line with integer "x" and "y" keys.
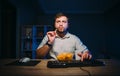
{"x": 90, "y": 56}
{"x": 79, "y": 54}
{"x": 86, "y": 56}
{"x": 82, "y": 57}
{"x": 51, "y": 33}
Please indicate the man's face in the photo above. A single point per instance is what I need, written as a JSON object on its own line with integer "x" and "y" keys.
{"x": 61, "y": 24}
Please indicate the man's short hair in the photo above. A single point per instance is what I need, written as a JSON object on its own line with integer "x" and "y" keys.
{"x": 59, "y": 15}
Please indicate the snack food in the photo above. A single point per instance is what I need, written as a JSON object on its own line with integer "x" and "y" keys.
{"x": 65, "y": 56}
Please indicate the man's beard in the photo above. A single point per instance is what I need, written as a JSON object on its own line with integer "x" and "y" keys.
{"x": 62, "y": 30}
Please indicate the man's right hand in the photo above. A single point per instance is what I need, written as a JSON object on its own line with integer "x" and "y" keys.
{"x": 51, "y": 36}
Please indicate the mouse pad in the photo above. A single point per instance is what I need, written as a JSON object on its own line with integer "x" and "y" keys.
{"x": 17, "y": 63}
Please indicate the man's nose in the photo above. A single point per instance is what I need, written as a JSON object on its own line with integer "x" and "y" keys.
{"x": 61, "y": 24}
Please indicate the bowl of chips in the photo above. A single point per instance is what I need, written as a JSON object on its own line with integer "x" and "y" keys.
{"x": 66, "y": 56}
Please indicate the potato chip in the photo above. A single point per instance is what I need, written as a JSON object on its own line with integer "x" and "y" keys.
{"x": 65, "y": 56}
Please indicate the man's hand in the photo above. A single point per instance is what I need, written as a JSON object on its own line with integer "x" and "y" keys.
{"x": 51, "y": 36}
{"x": 85, "y": 55}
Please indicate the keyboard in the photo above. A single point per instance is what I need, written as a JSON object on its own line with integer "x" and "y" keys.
{"x": 74, "y": 63}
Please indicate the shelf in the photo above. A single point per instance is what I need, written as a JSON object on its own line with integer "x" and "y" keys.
{"x": 31, "y": 36}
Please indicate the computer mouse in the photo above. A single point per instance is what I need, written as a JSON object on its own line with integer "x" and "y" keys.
{"x": 24, "y": 60}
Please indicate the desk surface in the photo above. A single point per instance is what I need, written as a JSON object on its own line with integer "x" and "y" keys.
{"x": 112, "y": 67}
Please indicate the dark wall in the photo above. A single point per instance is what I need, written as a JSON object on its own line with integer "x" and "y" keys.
{"x": 0, "y": 27}
{"x": 112, "y": 23}
{"x": 90, "y": 29}
{"x": 8, "y": 30}
{"x": 12, "y": 17}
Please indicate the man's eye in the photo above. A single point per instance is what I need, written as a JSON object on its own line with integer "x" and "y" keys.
{"x": 57, "y": 21}
{"x": 61, "y": 21}
{"x": 64, "y": 21}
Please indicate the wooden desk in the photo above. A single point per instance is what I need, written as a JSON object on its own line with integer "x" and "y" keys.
{"x": 112, "y": 68}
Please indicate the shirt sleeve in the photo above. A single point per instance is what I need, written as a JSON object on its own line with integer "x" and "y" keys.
{"x": 43, "y": 42}
{"x": 80, "y": 47}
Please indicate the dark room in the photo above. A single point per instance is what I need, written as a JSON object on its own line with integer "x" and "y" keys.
{"x": 28, "y": 26}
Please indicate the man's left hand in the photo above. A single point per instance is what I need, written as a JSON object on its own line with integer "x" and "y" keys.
{"x": 85, "y": 55}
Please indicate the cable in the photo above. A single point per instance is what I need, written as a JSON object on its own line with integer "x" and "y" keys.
{"x": 85, "y": 71}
